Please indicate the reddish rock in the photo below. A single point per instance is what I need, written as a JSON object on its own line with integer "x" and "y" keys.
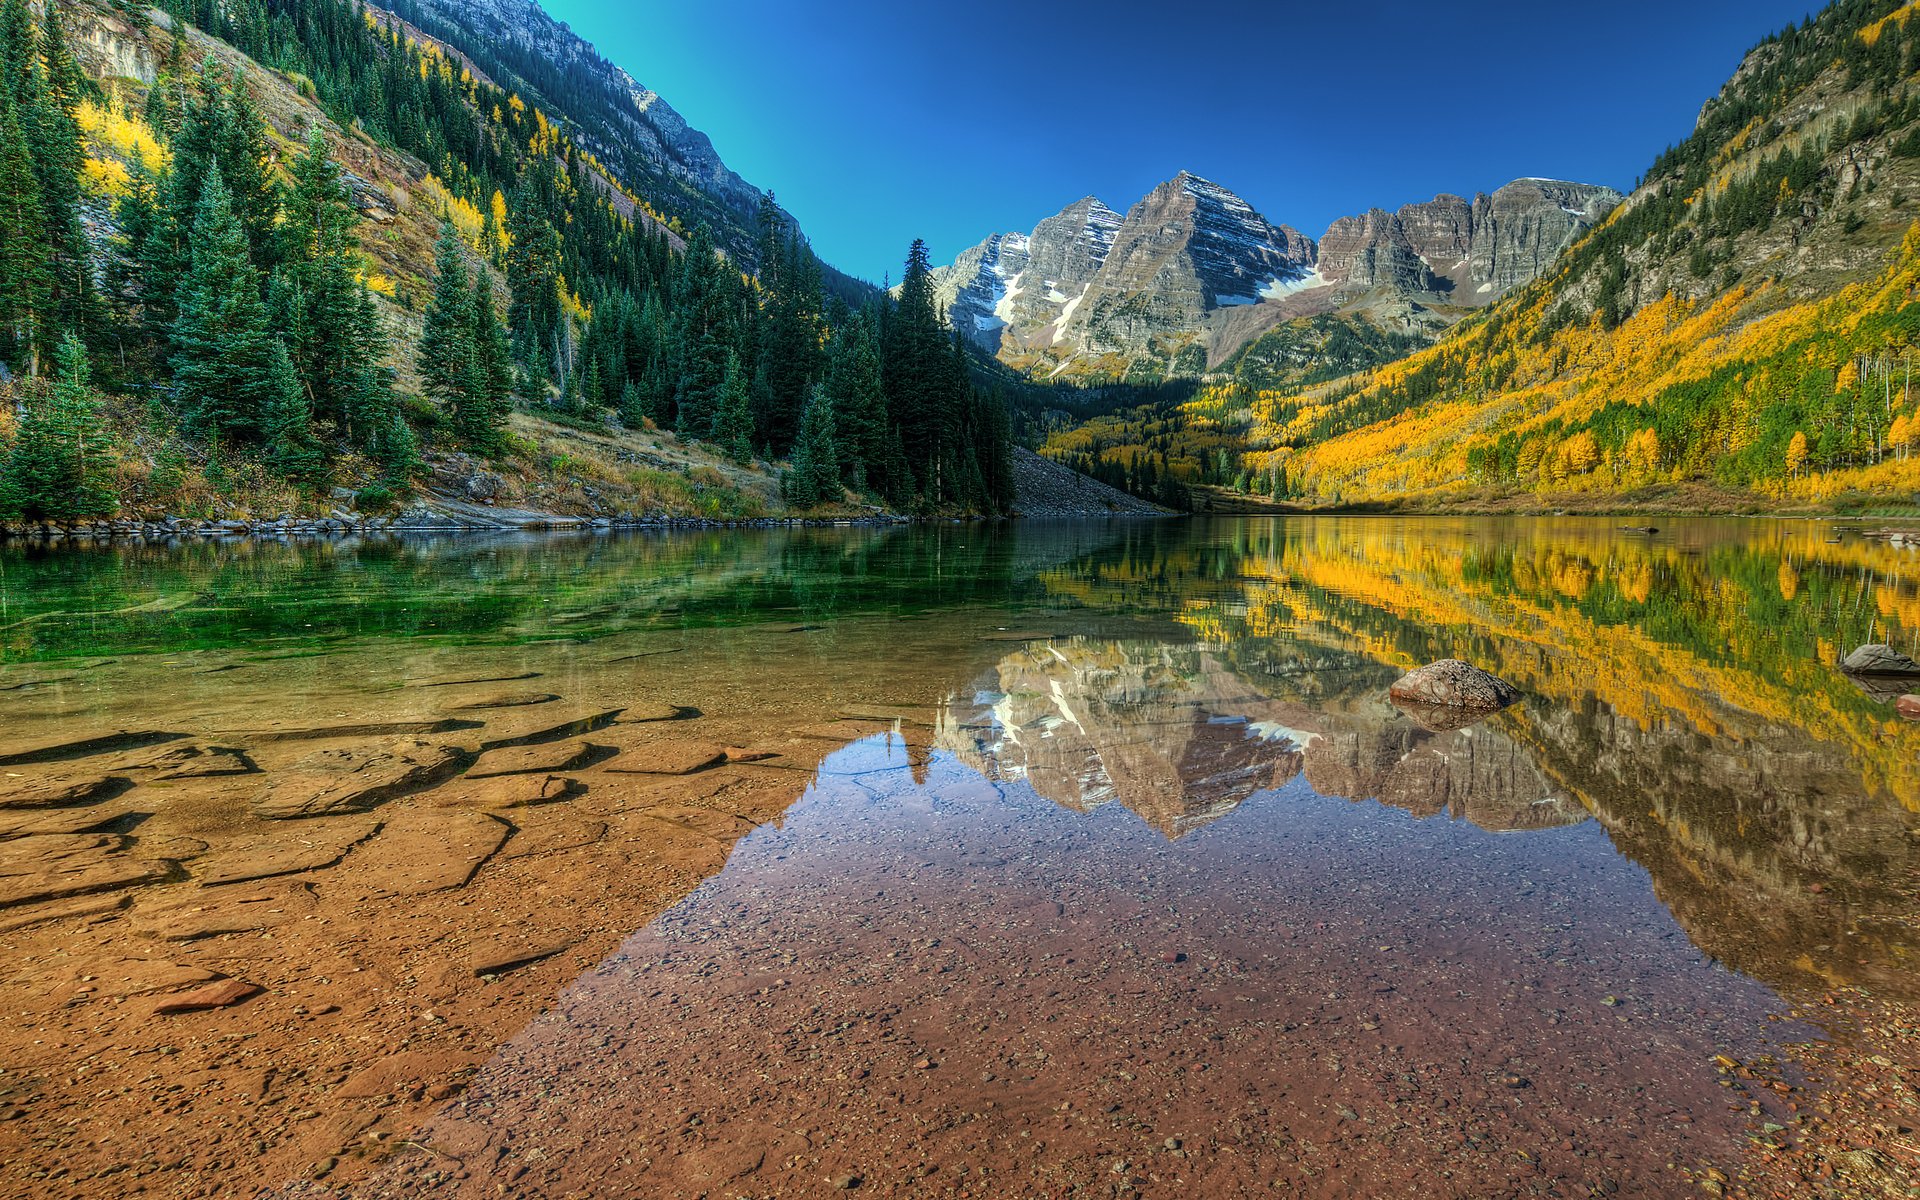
{"x": 1908, "y": 707}
{"x": 224, "y": 994}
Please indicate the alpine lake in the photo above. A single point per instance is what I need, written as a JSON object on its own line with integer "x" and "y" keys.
{"x": 1023, "y": 860}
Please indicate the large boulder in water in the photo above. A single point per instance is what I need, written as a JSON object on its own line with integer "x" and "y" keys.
{"x": 1879, "y": 660}
{"x": 1451, "y": 683}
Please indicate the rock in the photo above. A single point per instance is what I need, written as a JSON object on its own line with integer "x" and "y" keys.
{"x": 224, "y": 994}
{"x": 542, "y": 724}
{"x": 667, "y": 756}
{"x": 46, "y": 822}
{"x": 23, "y": 791}
{"x": 1454, "y": 684}
{"x": 504, "y": 792}
{"x": 501, "y": 952}
{"x": 37, "y": 869}
{"x": 1879, "y": 660}
{"x": 421, "y": 850}
{"x": 195, "y": 762}
{"x": 187, "y": 915}
{"x": 1441, "y": 718}
{"x": 70, "y": 748}
{"x": 342, "y": 781}
{"x": 506, "y": 700}
{"x": 295, "y": 731}
{"x": 543, "y": 757}
{"x": 1908, "y": 707}
{"x": 320, "y": 843}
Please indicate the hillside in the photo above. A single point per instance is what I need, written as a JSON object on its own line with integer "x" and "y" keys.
{"x": 1743, "y": 321}
{"x": 279, "y": 253}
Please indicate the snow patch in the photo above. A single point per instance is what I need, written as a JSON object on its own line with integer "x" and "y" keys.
{"x": 1280, "y": 287}
{"x": 1066, "y": 314}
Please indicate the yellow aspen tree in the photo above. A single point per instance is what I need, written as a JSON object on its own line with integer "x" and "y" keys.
{"x": 1797, "y": 454}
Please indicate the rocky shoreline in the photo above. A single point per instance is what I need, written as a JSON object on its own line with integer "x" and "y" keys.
{"x": 411, "y": 522}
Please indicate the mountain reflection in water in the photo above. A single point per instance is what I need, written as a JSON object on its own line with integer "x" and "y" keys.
{"x": 1023, "y": 765}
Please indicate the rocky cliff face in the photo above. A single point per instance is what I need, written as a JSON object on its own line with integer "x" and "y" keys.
{"x": 1193, "y": 272}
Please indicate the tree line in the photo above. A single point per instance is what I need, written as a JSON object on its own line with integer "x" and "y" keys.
{"x": 229, "y": 293}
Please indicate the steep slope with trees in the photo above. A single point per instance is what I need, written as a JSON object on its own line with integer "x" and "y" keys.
{"x": 1745, "y": 321}
{"x": 265, "y": 321}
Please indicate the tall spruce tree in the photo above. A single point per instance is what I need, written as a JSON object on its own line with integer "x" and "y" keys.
{"x": 228, "y": 364}
{"x": 26, "y": 255}
{"x": 448, "y": 358}
{"x": 814, "y": 476}
{"x": 733, "y": 427}
{"x": 484, "y": 426}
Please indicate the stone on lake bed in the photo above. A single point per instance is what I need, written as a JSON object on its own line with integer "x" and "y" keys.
{"x": 43, "y": 822}
{"x": 502, "y": 952}
{"x": 1908, "y": 707}
{"x": 1451, "y": 683}
{"x": 1879, "y": 660}
{"x": 353, "y": 780}
{"x": 538, "y": 759}
{"x": 299, "y": 731}
{"x": 420, "y": 851}
{"x": 319, "y": 843}
{"x": 27, "y": 791}
{"x": 668, "y": 756}
{"x": 224, "y": 994}
{"x": 83, "y": 747}
{"x": 504, "y": 791}
{"x": 507, "y": 700}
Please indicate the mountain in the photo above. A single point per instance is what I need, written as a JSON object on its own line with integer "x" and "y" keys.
{"x": 1193, "y": 274}
{"x": 1742, "y": 323}
{"x": 519, "y": 46}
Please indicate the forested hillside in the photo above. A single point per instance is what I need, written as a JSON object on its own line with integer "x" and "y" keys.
{"x": 1746, "y": 320}
{"x": 1742, "y": 327}
{"x": 258, "y": 250}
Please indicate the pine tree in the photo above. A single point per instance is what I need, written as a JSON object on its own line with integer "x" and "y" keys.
{"x": 733, "y": 428}
{"x": 226, "y": 357}
{"x": 859, "y": 405}
{"x": 61, "y": 465}
{"x": 485, "y": 425}
{"x": 448, "y": 359}
{"x": 814, "y": 476}
{"x": 26, "y": 285}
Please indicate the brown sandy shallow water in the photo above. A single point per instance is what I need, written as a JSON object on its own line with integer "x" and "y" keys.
{"x": 930, "y": 988}
{"x": 1070, "y": 865}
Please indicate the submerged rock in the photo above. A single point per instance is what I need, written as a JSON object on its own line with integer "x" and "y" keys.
{"x": 1879, "y": 660}
{"x": 1451, "y": 683}
{"x": 345, "y": 781}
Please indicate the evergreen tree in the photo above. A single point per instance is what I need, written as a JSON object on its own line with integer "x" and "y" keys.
{"x": 26, "y": 284}
{"x": 448, "y": 359}
{"x": 733, "y": 428}
{"x": 814, "y": 476}
{"x": 227, "y": 361}
{"x": 860, "y": 406}
{"x": 485, "y": 425}
{"x": 321, "y": 306}
{"x": 61, "y": 465}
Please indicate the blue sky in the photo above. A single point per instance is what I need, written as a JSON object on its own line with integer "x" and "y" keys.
{"x": 878, "y": 121}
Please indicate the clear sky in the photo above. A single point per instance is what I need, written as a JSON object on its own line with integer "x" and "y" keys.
{"x": 878, "y": 121}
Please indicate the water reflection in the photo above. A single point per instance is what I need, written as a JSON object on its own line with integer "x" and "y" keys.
{"x": 1029, "y": 763}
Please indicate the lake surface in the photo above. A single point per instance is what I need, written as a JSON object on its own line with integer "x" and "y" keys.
{"x": 1049, "y": 860}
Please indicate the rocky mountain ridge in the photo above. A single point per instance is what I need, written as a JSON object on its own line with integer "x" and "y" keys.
{"x": 1193, "y": 272}
{"x": 626, "y": 124}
